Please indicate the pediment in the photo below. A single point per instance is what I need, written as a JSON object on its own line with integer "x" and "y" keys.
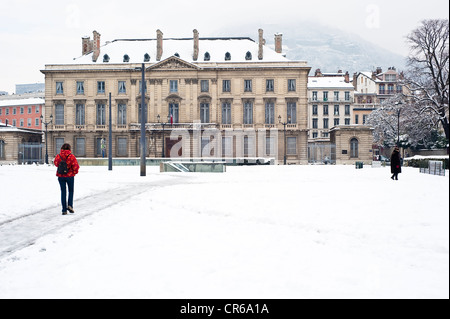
{"x": 173, "y": 64}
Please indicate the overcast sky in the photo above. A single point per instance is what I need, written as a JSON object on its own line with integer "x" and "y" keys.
{"x": 34, "y": 33}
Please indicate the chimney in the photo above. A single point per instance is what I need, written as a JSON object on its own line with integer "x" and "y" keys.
{"x": 86, "y": 46}
{"x": 379, "y": 70}
{"x": 261, "y": 42}
{"x": 318, "y": 73}
{"x": 196, "y": 49}
{"x": 278, "y": 42}
{"x": 96, "y": 46}
{"x": 159, "y": 45}
{"x": 347, "y": 77}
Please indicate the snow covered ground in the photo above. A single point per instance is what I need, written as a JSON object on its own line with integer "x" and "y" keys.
{"x": 252, "y": 232}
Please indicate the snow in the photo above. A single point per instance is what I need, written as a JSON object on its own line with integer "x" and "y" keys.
{"x": 329, "y": 82}
{"x": 19, "y": 102}
{"x": 252, "y": 232}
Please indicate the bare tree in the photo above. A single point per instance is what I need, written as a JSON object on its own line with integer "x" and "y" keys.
{"x": 428, "y": 72}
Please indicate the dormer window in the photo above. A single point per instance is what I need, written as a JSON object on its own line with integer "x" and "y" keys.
{"x": 106, "y": 58}
{"x": 146, "y": 57}
{"x": 207, "y": 57}
{"x": 126, "y": 58}
{"x": 177, "y": 55}
{"x": 248, "y": 56}
{"x": 227, "y": 56}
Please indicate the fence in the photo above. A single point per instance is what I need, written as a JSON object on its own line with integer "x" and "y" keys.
{"x": 434, "y": 168}
{"x": 30, "y": 153}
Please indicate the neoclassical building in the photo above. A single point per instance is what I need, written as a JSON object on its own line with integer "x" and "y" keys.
{"x": 204, "y": 97}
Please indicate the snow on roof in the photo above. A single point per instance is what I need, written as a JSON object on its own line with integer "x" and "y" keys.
{"x": 184, "y": 47}
{"x": 329, "y": 82}
{"x": 10, "y": 128}
{"x": 30, "y": 101}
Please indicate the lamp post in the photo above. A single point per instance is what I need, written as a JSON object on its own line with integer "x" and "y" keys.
{"x": 163, "y": 125}
{"x": 398, "y": 122}
{"x": 46, "y": 142}
{"x": 142, "y": 143}
{"x": 284, "y": 126}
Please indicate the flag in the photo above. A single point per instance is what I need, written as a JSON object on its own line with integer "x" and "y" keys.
{"x": 171, "y": 119}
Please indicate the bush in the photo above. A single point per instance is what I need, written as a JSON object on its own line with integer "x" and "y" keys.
{"x": 423, "y": 162}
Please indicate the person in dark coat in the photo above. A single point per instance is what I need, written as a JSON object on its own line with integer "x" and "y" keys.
{"x": 396, "y": 167}
{"x": 69, "y": 178}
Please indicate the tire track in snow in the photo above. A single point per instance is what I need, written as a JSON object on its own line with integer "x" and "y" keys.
{"x": 24, "y": 230}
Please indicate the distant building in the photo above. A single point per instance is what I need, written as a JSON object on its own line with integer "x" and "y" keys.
{"x": 3, "y": 93}
{"x": 22, "y": 113}
{"x": 30, "y": 88}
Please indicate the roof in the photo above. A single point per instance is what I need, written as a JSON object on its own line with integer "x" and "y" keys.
{"x": 184, "y": 47}
{"x": 30, "y": 101}
{"x": 9, "y": 128}
{"x": 329, "y": 83}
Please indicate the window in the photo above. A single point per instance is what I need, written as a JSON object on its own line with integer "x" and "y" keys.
{"x": 325, "y": 96}
{"x": 226, "y": 86}
{"x": 36, "y": 121}
{"x": 336, "y": 122}
{"x": 248, "y": 113}
{"x": 249, "y": 146}
{"x": 291, "y": 145}
{"x": 227, "y": 146}
{"x": 30, "y": 110}
{"x": 206, "y": 151}
{"x": 325, "y": 123}
{"x": 390, "y": 88}
{"x": 399, "y": 89}
{"x": 7, "y": 111}
{"x": 314, "y": 96}
{"x": 59, "y": 88}
{"x": 101, "y": 87}
{"x": 336, "y": 95}
{"x": 101, "y": 114}
{"x": 325, "y": 134}
{"x": 347, "y": 121}
{"x": 80, "y": 146}
{"x": 382, "y": 89}
{"x": 270, "y": 146}
{"x": 314, "y": 109}
{"x": 314, "y": 123}
{"x": 270, "y": 113}
{"x": 37, "y": 109}
{"x": 247, "y": 85}
{"x": 336, "y": 110}
{"x": 292, "y": 85}
{"x": 207, "y": 57}
{"x": 79, "y": 114}
{"x": 292, "y": 112}
{"x": 122, "y": 87}
{"x": 59, "y": 114}
{"x": 14, "y": 111}
{"x": 269, "y": 85}
{"x": 325, "y": 109}
{"x": 248, "y": 56}
{"x": 2, "y": 149}
{"x": 204, "y": 84}
{"x": 356, "y": 119}
{"x": 347, "y": 110}
{"x": 21, "y": 110}
{"x": 227, "y": 56}
{"x": 122, "y": 114}
{"x": 29, "y": 122}
{"x": 14, "y": 123}
{"x": 204, "y": 112}
{"x": 174, "y": 111}
{"x": 347, "y": 96}
{"x": 364, "y": 118}
{"x": 80, "y": 87}
{"x": 98, "y": 146}
{"x": 315, "y": 135}
{"x": 226, "y": 113}
{"x": 21, "y": 122}
{"x": 353, "y": 147}
{"x": 122, "y": 146}
{"x": 390, "y": 77}
{"x": 59, "y": 141}
{"x": 173, "y": 86}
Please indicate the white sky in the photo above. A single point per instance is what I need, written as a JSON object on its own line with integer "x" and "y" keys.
{"x": 34, "y": 33}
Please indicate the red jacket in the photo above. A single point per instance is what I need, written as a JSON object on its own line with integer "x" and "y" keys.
{"x": 71, "y": 160}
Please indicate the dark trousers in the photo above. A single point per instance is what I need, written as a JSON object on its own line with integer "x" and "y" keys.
{"x": 70, "y": 184}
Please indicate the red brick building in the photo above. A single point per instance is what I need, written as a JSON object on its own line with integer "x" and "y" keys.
{"x": 22, "y": 113}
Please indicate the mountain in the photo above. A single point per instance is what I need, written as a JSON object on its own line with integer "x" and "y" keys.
{"x": 323, "y": 47}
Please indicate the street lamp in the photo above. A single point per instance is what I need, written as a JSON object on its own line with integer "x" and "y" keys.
{"x": 142, "y": 144}
{"x": 46, "y": 142}
{"x": 163, "y": 125}
{"x": 284, "y": 125}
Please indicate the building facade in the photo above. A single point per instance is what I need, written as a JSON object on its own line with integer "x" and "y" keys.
{"x": 22, "y": 113}
{"x": 204, "y": 97}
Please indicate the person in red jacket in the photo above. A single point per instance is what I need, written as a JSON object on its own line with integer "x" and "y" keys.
{"x": 68, "y": 178}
